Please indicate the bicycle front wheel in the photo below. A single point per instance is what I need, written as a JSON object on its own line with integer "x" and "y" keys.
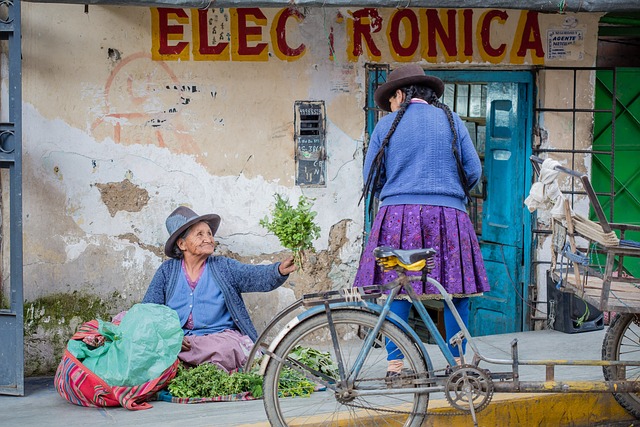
{"x": 340, "y": 407}
{"x": 621, "y": 343}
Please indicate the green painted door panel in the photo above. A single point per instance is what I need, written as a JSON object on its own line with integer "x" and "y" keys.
{"x": 626, "y": 150}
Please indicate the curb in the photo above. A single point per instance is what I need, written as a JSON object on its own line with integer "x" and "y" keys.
{"x": 536, "y": 409}
{"x": 528, "y": 409}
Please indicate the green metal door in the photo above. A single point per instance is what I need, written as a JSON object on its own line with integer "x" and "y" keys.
{"x": 618, "y": 144}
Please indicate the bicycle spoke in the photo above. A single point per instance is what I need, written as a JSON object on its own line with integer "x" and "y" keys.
{"x": 344, "y": 406}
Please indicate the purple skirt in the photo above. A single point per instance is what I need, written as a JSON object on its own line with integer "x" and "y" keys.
{"x": 459, "y": 266}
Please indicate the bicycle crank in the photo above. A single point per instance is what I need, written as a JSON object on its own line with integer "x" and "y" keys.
{"x": 469, "y": 388}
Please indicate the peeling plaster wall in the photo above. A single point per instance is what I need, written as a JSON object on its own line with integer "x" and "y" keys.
{"x": 114, "y": 141}
{"x": 122, "y": 140}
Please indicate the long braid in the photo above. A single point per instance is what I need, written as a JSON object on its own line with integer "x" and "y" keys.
{"x": 454, "y": 144}
{"x": 375, "y": 172}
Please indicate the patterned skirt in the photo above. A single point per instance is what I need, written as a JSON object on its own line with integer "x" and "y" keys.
{"x": 459, "y": 266}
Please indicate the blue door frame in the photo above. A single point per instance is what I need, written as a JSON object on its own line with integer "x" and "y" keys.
{"x": 506, "y": 225}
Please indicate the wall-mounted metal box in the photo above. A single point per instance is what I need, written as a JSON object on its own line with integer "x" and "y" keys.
{"x": 310, "y": 140}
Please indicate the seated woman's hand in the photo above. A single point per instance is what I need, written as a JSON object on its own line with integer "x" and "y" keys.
{"x": 186, "y": 345}
{"x": 287, "y": 267}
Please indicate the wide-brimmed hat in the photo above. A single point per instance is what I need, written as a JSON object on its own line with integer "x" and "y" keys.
{"x": 407, "y": 75}
{"x": 181, "y": 219}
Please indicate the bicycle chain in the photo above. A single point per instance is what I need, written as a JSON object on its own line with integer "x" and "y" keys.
{"x": 454, "y": 413}
{"x": 392, "y": 411}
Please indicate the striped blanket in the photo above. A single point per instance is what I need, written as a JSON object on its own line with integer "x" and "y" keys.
{"x": 166, "y": 396}
{"x": 80, "y": 386}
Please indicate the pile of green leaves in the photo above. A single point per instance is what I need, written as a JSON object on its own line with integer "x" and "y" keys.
{"x": 208, "y": 380}
{"x": 292, "y": 383}
{"x": 294, "y": 227}
{"x": 315, "y": 359}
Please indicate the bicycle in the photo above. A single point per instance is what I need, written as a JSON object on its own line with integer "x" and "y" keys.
{"x": 359, "y": 390}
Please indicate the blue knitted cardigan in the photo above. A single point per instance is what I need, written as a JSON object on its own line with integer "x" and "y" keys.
{"x": 233, "y": 277}
{"x": 419, "y": 167}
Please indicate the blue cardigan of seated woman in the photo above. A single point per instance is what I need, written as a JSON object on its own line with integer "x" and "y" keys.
{"x": 232, "y": 276}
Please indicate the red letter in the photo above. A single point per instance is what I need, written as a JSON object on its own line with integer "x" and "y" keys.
{"x": 447, "y": 41}
{"x": 408, "y": 18}
{"x": 488, "y": 52}
{"x": 364, "y": 23}
{"x": 467, "y": 25}
{"x": 204, "y": 50}
{"x": 163, "y": 32}
{"x": 279, "y": 35}
{"x": 530, "y": 40}
{"x": 241, "y": 51}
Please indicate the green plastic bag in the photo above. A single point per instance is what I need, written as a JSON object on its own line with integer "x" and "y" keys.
{"x": 145, "y": 343}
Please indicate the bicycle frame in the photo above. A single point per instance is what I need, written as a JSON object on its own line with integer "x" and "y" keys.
{"x": 345, "y": 299}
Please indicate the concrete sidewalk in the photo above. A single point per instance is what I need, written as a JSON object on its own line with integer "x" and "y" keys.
{"x": 42, "y": 406}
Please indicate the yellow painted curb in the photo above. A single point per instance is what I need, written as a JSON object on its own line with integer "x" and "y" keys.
{"x": 536, "y": 409}
{"x": 528, "y": 409}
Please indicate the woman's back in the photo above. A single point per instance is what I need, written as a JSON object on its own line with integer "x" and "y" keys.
{"x": 419, "y": 165}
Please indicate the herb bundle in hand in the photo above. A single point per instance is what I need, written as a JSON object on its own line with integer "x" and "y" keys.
{"x": 294, "y": 227}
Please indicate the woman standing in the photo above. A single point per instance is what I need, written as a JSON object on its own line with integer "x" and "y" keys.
{"x": 421, "y": 164}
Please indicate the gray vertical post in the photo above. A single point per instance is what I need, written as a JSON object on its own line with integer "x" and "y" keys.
{"x": 11, "y": 319}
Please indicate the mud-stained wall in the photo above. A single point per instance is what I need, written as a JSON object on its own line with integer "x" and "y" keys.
{"x": 118, "y": 132}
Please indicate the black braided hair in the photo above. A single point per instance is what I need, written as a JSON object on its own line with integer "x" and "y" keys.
{"x": 375, "y": 175}
{"x": 376, "y": 171}
{"x": 454, "y": 144}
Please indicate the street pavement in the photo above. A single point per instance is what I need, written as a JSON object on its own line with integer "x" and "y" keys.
{"x": 42, "y": 406}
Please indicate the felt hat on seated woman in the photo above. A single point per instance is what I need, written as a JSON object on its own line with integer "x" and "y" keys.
{"x": 180, "y": 220}
{"x": 407, "y": 75}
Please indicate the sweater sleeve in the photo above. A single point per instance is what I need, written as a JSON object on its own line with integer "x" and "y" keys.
{"x": 254, "y": 278}
{"x": 470, "y": 160}
{"x": 156, "y": 292}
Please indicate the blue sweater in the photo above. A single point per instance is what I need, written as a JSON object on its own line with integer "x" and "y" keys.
{"x": 419, "y": 166}
{"x": 233, "y": 278}
{"x": 206, "y": 303}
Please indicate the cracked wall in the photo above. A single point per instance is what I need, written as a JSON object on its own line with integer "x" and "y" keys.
{"x": 115, "y": 140}
{"x": 122, "y": 140}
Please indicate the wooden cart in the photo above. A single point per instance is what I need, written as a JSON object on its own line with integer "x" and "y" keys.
{"x": 589, "y": 257}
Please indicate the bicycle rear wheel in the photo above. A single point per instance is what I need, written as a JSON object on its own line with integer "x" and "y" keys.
{"x": 621, "y": 343}
{"x": 333, "y": 408}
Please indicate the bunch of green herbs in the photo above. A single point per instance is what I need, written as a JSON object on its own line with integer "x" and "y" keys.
{"x": 315, "y": 359}
{"x": 208, "y": 380}
{"x": 292, "y": 383}
{"x": 293, "y": 226}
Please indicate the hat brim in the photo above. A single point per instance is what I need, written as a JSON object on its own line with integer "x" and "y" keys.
{"x": 212, "y": 219}
{"x": 384, "y": 91}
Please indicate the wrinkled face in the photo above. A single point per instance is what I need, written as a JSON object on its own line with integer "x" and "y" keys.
{"x": 198, "y": 241}
{"x": 396, "y": 100}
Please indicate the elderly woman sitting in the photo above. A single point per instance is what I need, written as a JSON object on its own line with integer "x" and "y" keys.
{"x": 205, "y": 291}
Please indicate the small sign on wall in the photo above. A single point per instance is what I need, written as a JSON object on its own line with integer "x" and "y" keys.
{"x": 565, "y": 44}
{"x": 310, "y": 139}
